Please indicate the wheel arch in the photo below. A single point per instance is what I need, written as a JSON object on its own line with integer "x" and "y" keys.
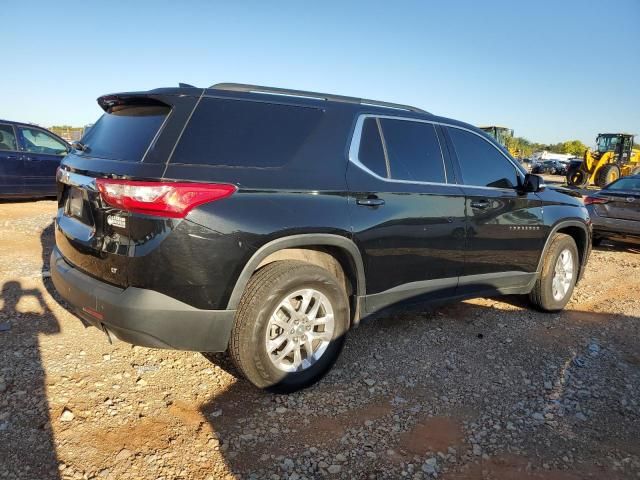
{"x": 336, "y": 253}
{"x": 579, "y": 231}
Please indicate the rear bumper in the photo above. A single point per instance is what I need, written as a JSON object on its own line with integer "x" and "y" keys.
{"x": 139, "y": 316}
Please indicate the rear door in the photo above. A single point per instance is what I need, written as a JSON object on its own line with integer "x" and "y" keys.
{"x": 408, "y": 220}
{"x": 42, "y": 153}
{"x": 505, "y": 233}
{"x": 11, "y": 164}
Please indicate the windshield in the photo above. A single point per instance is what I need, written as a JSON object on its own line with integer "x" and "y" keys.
{"x": 607, "y": 143}
{"x": 627, "y": 184}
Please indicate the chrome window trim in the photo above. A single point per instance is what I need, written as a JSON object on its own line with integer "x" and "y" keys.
{"x": 355, "y": 147}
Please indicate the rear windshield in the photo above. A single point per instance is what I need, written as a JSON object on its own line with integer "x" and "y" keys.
{"x": 125, "y": 133}
{"x": 628, "y": 184}
{"x": 245, "y": 133}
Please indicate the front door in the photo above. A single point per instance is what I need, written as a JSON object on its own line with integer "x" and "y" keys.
{"x": 10, "y": 162}
{"x": 505, "y": 229}
{"x": 407, "y": 219}
{"x": 42, "y": 153}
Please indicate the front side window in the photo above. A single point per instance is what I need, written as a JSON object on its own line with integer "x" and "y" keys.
{"x": 7, "y": 138}
{"x": 481, "y": 163}
{"x": 37, "y": 141}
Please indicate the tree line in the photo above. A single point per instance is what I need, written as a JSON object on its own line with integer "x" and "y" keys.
{"x": 525, "y": 148}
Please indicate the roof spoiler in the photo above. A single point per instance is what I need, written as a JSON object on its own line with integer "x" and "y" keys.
{"x": 108, "y": 102}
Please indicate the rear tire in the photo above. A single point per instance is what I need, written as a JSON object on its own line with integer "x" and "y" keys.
{"x": 607, "y": 174}
{"x": 265, "y": 310}
{"x": 554, "y": 286}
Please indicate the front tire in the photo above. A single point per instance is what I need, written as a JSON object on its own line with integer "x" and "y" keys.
{"x": 553, "y": 288}
{"x": 576, "y": 177}
{"x": 290, "y": 326}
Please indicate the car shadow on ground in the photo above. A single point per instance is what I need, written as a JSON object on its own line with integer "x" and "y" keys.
{"x": 260, "y": 433}
{"x": 25, "y": 423}
{"x": 609, "y": 245}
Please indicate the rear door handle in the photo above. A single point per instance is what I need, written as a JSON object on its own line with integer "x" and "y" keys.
{"x": 481, "y": 204}
{"x": 371, "y": 201}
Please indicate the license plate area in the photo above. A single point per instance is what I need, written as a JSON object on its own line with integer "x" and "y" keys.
{"x": 76, "y": 205}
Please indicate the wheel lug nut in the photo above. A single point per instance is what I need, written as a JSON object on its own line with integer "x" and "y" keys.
{"x": 292, "y": 331}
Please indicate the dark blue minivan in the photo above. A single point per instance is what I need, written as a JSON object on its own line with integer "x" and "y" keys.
{"x": 29, "y": 157}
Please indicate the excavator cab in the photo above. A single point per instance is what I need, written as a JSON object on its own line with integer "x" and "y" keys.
{"x": 618, "y": 143}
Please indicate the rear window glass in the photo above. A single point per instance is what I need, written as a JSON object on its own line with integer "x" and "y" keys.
{"x": 414, "y": 151}
{"x": 125, "y": 133}
{"x": 630, "y": 184}
{"x": 371, "y": 153}
{"x": 245, "y": 133}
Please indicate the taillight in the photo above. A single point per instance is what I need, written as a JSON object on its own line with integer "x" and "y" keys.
{"x": 162, "y": 199}
{"x": 594, "y": 200}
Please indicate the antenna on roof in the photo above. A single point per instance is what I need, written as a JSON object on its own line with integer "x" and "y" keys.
{"x": 185, "y": 85}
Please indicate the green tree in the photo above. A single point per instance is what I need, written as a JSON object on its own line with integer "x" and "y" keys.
{"x": 573, "y": 147}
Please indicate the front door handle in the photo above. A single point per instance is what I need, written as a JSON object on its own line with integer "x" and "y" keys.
{"x": 371, "y": 201}
{"x": 481, "y": 204}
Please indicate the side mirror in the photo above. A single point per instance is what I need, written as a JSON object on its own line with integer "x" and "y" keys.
{"x": 532, "y": 183}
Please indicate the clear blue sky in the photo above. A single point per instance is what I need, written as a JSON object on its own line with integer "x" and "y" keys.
{"x": 552, "y": 70}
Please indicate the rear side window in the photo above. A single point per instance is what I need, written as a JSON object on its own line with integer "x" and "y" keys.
{"x": 371, "y": 152}
{"x": 245, "y": 133}
{"x": 125, "y": 133}
{"x": 401, "y": 150}
{"x": 7, "y": 138}
{"x": 413, "y": 150}
{"x": 481, "y": 163}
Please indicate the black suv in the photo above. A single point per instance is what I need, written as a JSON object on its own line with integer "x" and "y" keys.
{"x": 267, "y": 222}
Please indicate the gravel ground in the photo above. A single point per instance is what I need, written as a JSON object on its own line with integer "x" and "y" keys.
{"x": 482, "y": 389}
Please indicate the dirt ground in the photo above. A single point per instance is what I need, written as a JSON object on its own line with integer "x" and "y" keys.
{"x": 481, "y": 389}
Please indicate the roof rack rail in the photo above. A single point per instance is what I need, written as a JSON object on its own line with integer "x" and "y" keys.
{"x": 241, "y": 87}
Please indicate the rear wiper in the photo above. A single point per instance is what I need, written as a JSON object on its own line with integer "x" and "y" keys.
{"x": 79, "y": 146}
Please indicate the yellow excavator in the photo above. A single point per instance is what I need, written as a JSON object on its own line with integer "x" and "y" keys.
{"x": 614, "y": 157}
{"x": 502, "y": 136}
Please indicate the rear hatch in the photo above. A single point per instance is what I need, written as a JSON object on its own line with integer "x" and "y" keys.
{"x": 132, "y": 140}
{"x": 622, "y": 205}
